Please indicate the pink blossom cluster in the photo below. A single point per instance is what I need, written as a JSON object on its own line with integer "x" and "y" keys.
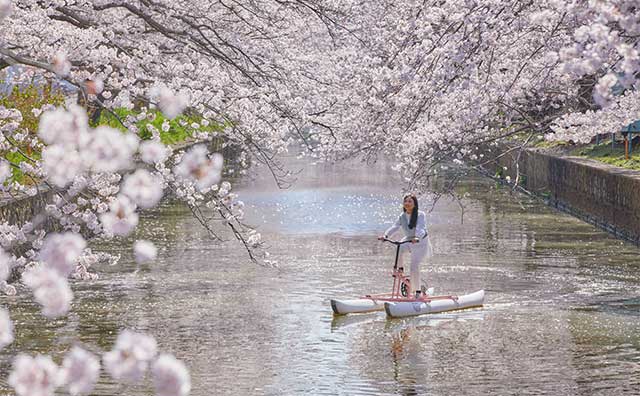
{"x": 200, "y": 168}
{"x": 50, "y": 289}
{"x": 170, "y": 103}
{"x": 73, "y": 149}
{"x": 6, "y": 328}
{"x": 127, "y": 362}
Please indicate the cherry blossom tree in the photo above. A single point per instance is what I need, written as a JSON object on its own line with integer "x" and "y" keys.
{"x": 434, "y": 81}
{"x": 420, "y": 81}
{"x": 240, "y": 66}
{"x": 454, "y": 75}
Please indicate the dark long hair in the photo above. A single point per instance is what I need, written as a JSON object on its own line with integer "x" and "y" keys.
{"x": 414, "y": 212}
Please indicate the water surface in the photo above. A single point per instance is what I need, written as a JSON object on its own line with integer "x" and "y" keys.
{"x": 562, "y": 313}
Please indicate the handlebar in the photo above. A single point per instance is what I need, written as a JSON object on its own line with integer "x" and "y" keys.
{"x": 397, "y": 243}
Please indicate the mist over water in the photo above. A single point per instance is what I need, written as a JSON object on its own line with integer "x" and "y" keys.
{"x": 562, "y": 313}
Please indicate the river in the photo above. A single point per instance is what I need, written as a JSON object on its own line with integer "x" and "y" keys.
{"x": 562, "y": 312}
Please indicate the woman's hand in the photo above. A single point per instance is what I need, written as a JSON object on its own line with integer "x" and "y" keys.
{"x": 415, "y": 240}
{"x": 382, "y": 238}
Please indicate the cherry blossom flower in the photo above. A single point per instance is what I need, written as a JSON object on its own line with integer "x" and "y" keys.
{"x": 152, "y": 152}
{"x": 7, "y": 289}
{"x": 110, "y": 150}
{"x": 144, "y": 189}
{"x": 144, "y": 251}
{"x": 6, "y": 328}
{"x": 129, "y": 359}
{"x": 121, "y": 218}
{"x": 34, "y": 376}
{"x": 603, "y": 94}
{"x": 254, "y": 238}
{"x": 61, "y": 66}
{"x": 61, "y": 165}
{"x": 94, "y": 87}
{"x": 61, "y": 251}
{"x": 50, "y": 290}
{"x": 5, "y": 265}
{"x": 68, "y": 128}
{"x": 170, "y": 376}
{"x": 196, "y": 165}
{"x": 169, "y": 103}
{"x": 5, "y": 171}
{"x": 80, "y": 370}
{"x": 224, "y": 189}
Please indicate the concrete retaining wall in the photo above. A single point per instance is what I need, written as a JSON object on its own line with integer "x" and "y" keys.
{"x": 601, "y": 194}
{"x": 22, "y": 208}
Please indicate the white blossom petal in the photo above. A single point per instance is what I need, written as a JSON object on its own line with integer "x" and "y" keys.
{"x": 81, "y": 370}
{"x": 170, "y": 377}
{"x": 129, "y": 359}
{"x": 145, "y": 251}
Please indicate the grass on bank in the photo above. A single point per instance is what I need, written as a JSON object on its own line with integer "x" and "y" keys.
{"x": 26, "y": 99}
{"x": 551, "y": 144}
{"x": 613, "y": 156}
{"x": 602, "y": 152}
{"x": 180, "y": 128}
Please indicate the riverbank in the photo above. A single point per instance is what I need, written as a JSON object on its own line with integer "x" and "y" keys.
{"x": 609, "y": 150}
{"x": 604, "y": 195}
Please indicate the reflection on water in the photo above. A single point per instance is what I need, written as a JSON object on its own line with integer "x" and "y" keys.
{"x": 561, "y": 314}
{"x": 297, "y": 212}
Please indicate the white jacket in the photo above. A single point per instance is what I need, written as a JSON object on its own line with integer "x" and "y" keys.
{"x": 420, "y": 231}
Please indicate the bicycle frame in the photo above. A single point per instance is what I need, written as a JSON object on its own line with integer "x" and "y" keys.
{"x": 400, "y": 279}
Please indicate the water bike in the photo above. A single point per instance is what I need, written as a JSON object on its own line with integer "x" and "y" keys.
{"x": 399, "y": 303}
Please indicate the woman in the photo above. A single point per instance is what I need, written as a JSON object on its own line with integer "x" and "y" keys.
{"x": 413, "y": 223}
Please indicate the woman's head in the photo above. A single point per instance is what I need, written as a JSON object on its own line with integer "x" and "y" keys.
{"x": 409, "y": 202}
{"x": 410, "y": 205}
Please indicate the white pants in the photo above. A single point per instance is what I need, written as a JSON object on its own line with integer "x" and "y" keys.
{"x": 419, "y": 251}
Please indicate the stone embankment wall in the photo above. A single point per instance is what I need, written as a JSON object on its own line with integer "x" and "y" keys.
{"x": 601, "y": 194}
{"x": 18, "y": 209}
